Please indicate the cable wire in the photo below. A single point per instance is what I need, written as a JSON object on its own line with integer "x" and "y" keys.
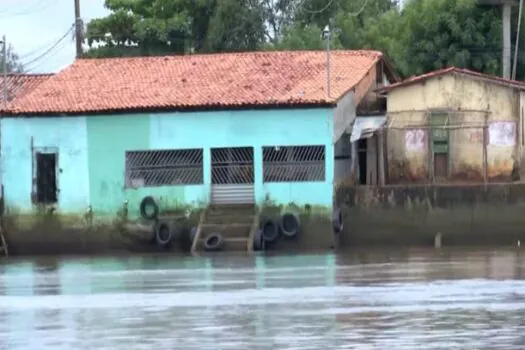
{"x": 38, "y": 7}
{"x": 45, "y": 53}
{"x": 37, "y": 50}
{"x": 33, "y": 69}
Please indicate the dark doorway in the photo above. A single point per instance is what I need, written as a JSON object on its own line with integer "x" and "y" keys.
{"x": 46, "y": 179}
{"x": 361, "y": 157}
{"x": 440, "y": 166}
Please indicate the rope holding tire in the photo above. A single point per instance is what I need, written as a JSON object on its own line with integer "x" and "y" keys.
{"x": 270, "y": 230}
{"x": 337, "y": 221}
{"x": 163, "y": 234}
{"x": 290, "y": 224}
{"x": 149, "y": 209}
{"x": 213, "y": 242}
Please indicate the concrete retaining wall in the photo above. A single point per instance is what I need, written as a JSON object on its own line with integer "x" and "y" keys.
{"x": 413, "y": 215}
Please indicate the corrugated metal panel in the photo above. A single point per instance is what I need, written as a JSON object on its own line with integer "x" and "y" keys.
{"x": 233, "y": 194}
{"x": 366, "y": 125}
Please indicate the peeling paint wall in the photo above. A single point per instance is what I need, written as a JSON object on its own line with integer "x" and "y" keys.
{"x": 410, "y": 162}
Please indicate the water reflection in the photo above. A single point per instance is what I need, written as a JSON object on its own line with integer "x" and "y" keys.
{"x": 363, "y": 300}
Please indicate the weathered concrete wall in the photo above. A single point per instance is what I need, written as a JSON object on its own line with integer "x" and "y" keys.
{"x": 413, "y": 215}
{"x": 466, "y": 96}
{"x": 521, "y": 135}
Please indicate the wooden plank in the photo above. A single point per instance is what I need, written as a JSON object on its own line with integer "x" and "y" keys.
{"x": 224, "y": 226}
{"x": 198, "y": 233}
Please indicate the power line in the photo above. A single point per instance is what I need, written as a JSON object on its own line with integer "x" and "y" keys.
{"x": 45, "y": 53}
{"x": 54, "y": 53}
{"x": 38, "y": 7}
{"x": 38, "y": 49}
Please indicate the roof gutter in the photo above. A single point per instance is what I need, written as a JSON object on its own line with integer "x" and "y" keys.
{"x": 30, "y": 114}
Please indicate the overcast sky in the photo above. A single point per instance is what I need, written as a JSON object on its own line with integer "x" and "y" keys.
{"x": 33, "y": 26}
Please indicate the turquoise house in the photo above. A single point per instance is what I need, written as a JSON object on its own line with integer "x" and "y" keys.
{"x": 96, "y": 138}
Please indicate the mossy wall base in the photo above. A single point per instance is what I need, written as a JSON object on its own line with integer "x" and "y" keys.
{"x": 58, "y": 234}
{"x": 52, "y": 233}
{"x": 315, "y": 234}
{"x": 492, "y": 214}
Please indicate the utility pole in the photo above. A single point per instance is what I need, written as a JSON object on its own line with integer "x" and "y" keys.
{"x": 78, "y": 29}
{"x": 4, "y": 68}
{"x": 327, "y": 37}
{"x": 506, "y": 11}
{"x": 517, "y": 41}
{"x": 506, "y": 54}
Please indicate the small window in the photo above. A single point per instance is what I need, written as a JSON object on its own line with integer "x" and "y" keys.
{"x": 293, "y": 164}
{"x": 46, "y": 178}
{"x": 164, "y": 168}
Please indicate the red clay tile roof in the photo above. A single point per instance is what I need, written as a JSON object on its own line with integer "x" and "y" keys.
{"x": 420, "y": 78}
{"x": 20, "y": 84}
{"x": 198, "y": 81}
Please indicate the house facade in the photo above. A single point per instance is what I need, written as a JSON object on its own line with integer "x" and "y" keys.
{"x": 454, "y": 125}
{"x": 193, "y": 131}
{"x": 451, "y": 151}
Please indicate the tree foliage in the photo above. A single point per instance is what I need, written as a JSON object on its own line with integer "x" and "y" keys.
{"x": 13, "y": 61}
{"x": 441, "y": 33}
{"x": 421, "y": 36}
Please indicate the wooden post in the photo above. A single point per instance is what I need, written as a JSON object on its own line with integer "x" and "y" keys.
{"x": 381, "y": 156}
{"x": 430, "y": 145}
{"x": 485, "y": 156}
{"x": 78, "y": 29}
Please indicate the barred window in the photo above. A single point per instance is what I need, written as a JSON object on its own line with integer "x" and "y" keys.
{"x": 293, "y": 163}
{"x": 164, "y": 168}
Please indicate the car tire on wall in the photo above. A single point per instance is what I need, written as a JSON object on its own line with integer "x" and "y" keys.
{"x": 213, "y": 242}
{"x": 270, "y": 230}
{"x": 149, "y": 209}
{"x": 290, "y": 225}
{"x": 163, "y": 234}
{"x": 337, "y": 221}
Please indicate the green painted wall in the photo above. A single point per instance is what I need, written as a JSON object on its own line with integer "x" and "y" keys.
{"x": 108, "y": 140}
{"x": 109, "y": 137}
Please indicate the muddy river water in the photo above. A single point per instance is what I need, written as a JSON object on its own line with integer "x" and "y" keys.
{"x": 418, "y": 299}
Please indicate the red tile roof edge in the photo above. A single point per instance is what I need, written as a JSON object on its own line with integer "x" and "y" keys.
{"x": 375, "y": 56}
{"x": 363, "y": 52}
{"x": 27, "y": 81}
{"x": 445, "y": 71}
{"x": 28, "y": 75}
